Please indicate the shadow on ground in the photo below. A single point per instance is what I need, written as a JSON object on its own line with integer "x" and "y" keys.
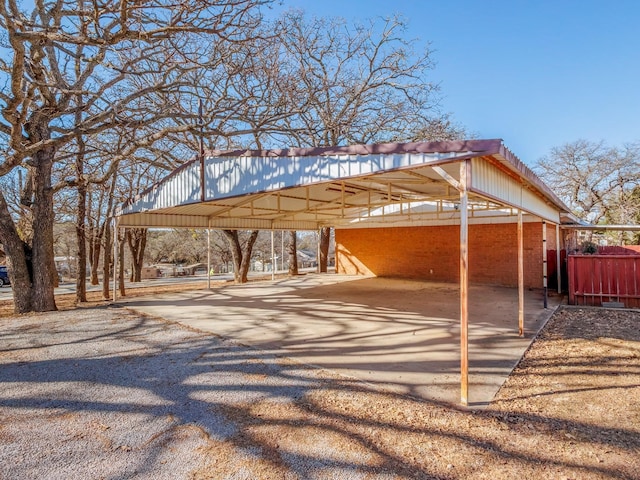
{"x": 104, "y": 393}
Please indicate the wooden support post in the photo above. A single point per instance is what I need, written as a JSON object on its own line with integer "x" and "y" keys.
{"x": 520, "y": 276}
{"x": 544, "y": 261}
{"x": 558, "y": 269}
{"x": 464, "y": 286}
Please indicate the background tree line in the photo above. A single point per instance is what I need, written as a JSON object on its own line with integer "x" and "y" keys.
{"x": 100, "y": 99}
{"x": 598, "y": 182}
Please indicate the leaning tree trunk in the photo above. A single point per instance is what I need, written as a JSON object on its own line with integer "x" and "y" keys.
{"x": 236, "y": 252}
{"x": 293, "y": 253}
{"x": 325, "y": 239}
{"x": 14, "y": 247}
{"x": 246, "y": 256}
{"x": 42, "y": 296}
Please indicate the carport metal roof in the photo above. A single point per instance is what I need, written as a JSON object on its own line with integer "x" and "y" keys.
{"x": 422, "y": 183}
{"x": 344, "y": 187}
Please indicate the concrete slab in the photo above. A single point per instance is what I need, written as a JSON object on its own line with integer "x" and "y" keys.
{"x": 395, "y": 333}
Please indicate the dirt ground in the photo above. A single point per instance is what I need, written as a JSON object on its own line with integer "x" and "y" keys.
{"x": 571, "y": 408}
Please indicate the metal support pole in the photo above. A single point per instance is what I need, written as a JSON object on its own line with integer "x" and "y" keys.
{"x": 273, "y": 259}
{"x": 209, "y": 256}
{"x": 544, "y": 261}
{"x": 282, "y": 248}
{"x": 558, "y": 267}
{"x": 464, "y": 286}
{"x": 520, "y": 276}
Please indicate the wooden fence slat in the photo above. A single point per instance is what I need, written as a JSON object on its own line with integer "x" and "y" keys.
{"x": 594, "y": 279}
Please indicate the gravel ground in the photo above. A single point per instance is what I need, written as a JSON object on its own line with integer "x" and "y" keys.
{"x": 102, "y": 393}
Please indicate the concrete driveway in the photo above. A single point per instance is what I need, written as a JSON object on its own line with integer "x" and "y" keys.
{"x": 398, "y": 334}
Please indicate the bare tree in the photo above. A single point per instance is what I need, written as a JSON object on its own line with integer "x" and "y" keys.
{"x": 592, "y": 178}
{"x": 353, "y": 84}
{"x": 100, "y": 59}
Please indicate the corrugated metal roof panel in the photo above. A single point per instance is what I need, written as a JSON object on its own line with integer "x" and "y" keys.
{"x": 495, "y": 184}
{"x": 336, "y": 185}
{"x": 228, "y": 177}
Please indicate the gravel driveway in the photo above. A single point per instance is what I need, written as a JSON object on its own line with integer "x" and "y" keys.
{"x": 103, "y": 393}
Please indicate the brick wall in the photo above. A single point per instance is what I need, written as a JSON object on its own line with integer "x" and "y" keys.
{"x": 433, "y": 253}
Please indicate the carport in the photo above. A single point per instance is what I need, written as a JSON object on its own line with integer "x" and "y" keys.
{"x": 422, "y": 184}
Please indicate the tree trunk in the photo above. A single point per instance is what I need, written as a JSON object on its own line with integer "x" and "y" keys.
{"x": 81, "y": 235}
{"x": 325, "y": 239}
{"x": 236, "y": 252}
{"x": 94, "y": 255}
{"x": 16, "y": 260}
{"x": 95, "y": 236}
{"x": 246, "y": 256}
{"x": 105, "y": 233}
{"x": 241, "y": 257}
{"x": 106, "y": 262}
{"x": 137, "y": 240}
{"x": 42, "y": 295}
{"x": 81, "y": 255}
{"x": 121, "y": 242}
{"x": 293, "y": 253}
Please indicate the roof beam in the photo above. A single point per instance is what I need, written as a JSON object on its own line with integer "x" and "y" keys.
{"x": 440, "y": 171}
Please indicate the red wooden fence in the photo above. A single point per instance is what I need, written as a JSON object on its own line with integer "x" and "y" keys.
{"x": 617, "y": 250}
{"x": 594, "y": 279}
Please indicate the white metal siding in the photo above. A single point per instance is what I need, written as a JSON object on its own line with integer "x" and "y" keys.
{"x": 488, "y": 180}
{"x": 235, "y": 176}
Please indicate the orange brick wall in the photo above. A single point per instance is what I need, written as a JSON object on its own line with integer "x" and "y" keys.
{"x": 433, "y": 253}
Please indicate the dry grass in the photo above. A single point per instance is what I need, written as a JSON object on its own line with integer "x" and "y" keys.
{"x": 67, "y": 301}
{"x": 570, "y": 410}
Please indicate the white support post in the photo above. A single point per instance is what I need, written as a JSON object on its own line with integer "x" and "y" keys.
{"x": 544, "y": 261}
{"x": 558, "y": 269}
{"x": 464, "y": 286}
{"x": 282, "y": 248}
{"x": 520, "y": 276}
{"x": 273, "y": 259}
{"x": 209, "y": 255}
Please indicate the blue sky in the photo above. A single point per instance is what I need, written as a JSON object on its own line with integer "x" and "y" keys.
{"x": 537, "y": 74}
